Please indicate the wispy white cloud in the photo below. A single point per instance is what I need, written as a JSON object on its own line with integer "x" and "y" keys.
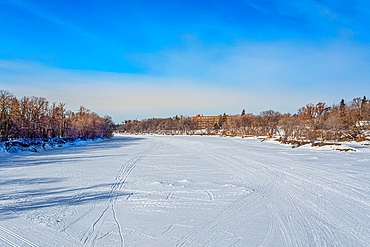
{"x": 48, "y": 16}
{"x": 310, "y": 9}
{"x": 278, "y": 75}
{"x": 250, "y": 64}
{"x": 341, "y": 18}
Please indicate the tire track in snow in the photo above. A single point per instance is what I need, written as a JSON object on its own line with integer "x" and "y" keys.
{"x": 250, "y": 204}
{"x": 15, "y": 236}
{"x": 91, "y": 235}
{"x": 312, "y": 204}
{"x": 271, "y": 233}
{"x": 283, "y": 217}
{"x": 288, "y": 214}
{"x": 213, "y": 230}
{"x": 350, "y": 222}
{"x": 314, "y": 209}
{"x": 270, "y": 183}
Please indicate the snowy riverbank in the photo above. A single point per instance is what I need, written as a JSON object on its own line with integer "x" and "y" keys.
{"x": 36, "y": 145}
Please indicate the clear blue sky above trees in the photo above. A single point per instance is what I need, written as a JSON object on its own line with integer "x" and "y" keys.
{"x": 140, "y": 59}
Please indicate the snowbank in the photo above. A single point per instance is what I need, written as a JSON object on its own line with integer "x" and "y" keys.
{"x": 36, "y": 145}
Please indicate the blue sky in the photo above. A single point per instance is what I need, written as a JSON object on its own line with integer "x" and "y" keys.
{"x": 142, "y": 59}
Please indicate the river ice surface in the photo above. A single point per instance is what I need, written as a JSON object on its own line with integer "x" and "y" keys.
{"x": 185, "y": 191}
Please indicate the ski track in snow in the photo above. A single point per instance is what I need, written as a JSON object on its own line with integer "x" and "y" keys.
{"x": 186, "y": 191}
{"x": 11, "y": 237}
{"x": 91, "y": 235}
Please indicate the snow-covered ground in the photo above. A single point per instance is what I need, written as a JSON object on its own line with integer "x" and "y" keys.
{"x": 185, "y": 191}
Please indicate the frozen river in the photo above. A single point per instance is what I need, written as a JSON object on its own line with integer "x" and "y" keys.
{"x": 185, "y": 191}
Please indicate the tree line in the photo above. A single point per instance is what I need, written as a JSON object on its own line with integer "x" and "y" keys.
{"x": 312, "y": 122}
{"x": 30, "y": 118}
{"x": 171, "y": 125}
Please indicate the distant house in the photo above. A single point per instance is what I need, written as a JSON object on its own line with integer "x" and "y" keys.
{"x": 363, "y": 124}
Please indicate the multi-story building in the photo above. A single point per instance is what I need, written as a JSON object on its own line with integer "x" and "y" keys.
{"x": 203, "y": 122}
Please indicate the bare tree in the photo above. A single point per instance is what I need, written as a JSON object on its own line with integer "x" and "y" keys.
{"x": 5, "y": 110}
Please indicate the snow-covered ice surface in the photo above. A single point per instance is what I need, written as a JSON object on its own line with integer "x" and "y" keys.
{"x": 185, "y": 191}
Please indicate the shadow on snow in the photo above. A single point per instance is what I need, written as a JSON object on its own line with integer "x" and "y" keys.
{"x": 18, "y": 201}
{"x": 67, "y": 155}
